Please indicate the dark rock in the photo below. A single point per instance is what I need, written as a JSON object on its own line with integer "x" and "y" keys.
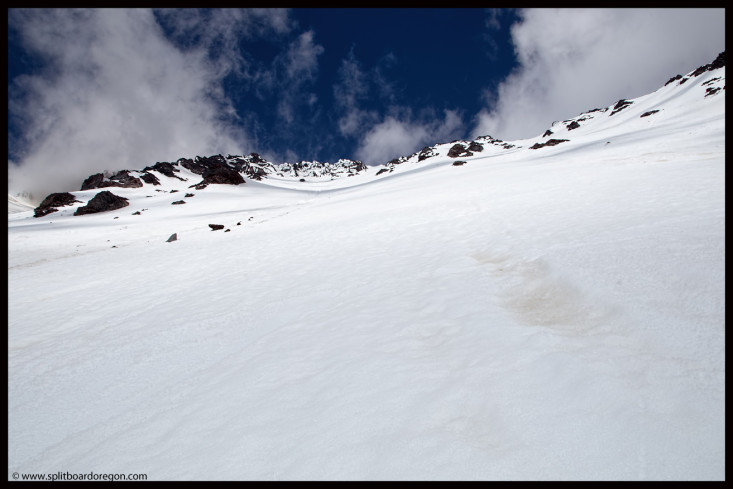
{"x": 200, "y": 164}
{"x": 459, "y": 163}
{"x": 254, "y": 172}
{"x": 719, "y": 62}
{"x": 227, "y": 230}
{"x": 189, "y": 195}
{"x": 164, "y": 168}
{"x": 256, "y": 158}
{"x": 220, "y": 175}
{"x": 712, "y": 80}
{"x": 52, "y": 202}
{"x": 425, "y": 153}
{"x": 178, "y": 202}
{"x": 683, "y": 80}
{"x": 302, "y": 180}
{"x": 573, "y": 125}
{"x": 647, "y": 114}
{"x": 383, "y": 170}
{"x": 216, "y": 227}
{"x": 550, "y": 142}
{"x": 173, "y": 191}
{"x": 102, "y": 202}
{"x": 150, "y": 178}
{"x": 92, "y": 182}
{"x": 458, "y": 150}
{"x": 123, "y": 179}
{"x": 188, "y": 164}
{"x": 476, "y": 147}
{"x": 136, "y": 213}
{"x": 620, "y": 105}
{"x": 173, "y": 237}
{"x": 547, "y": 133}
{"x": 673, "y": 79}
{"x": 239, "y": 223}
{"x": 711, "y": 91}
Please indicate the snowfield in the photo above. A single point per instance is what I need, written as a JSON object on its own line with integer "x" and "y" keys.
{"x": 549, "y": 314}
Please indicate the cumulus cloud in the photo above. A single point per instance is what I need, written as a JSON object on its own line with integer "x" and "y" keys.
{"x": 397, "y": 136}
{"x": 115, "y": 93}
{"x": 574, "y": 60}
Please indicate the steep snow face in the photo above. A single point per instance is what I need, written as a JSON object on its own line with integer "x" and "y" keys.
{"x": 541, "y": 314}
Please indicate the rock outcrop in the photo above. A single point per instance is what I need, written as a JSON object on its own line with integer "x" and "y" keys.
{"x": 219, "y": 174}
{"x": 549, "y": 142}
{"x": 102, "y": 202}
{"x": 620, "y": 105}
{"x": 53, "y": 202}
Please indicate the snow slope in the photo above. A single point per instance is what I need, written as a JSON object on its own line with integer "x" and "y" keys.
{"x": 19, "y": 203}
{"x": 541, "y": 314}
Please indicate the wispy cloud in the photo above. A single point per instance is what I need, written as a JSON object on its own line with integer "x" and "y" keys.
{"x": 299, "y": 67}
{"x": 350, "y": 91}
{"x": 573, "y": 60}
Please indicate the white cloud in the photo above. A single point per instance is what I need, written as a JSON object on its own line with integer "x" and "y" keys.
{"x": 394, "y": 137}
{"x": 301, "y": 60}
{"x": 574, "y": 60}
{"x": 118, "y": 95}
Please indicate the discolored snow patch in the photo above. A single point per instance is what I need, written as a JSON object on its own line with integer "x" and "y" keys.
{"x": 539, "y": 296}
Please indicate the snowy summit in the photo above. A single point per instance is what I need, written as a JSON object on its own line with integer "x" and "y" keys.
{"x": 549, "y": 308}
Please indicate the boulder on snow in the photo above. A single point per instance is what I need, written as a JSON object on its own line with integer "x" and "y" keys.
{"x": 123, "y": 179}
{"x": 647, "y": 114}
{"x": 547, "y": 133}
{"x": 620, "y": 105}
{"x": 459, "y": 162}
{"x": 173, "y": 237}
{"x": 92, "y": 182}
{"x": 120, "y": 179}
{"x": 573, "y": 125}
{"x": 476, "y": 147}
{"x": 52, "y": 202}
{"x": 150, "y": 178}
{"x": 550, "y": 142}
{"x": 458, "y": 150}
{"x": 178, "y": 202}
{"x": 216, "y": 227}
{"x": 102, "y": 202}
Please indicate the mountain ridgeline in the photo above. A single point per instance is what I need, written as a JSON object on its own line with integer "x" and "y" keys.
{"x": 203, "y": 171}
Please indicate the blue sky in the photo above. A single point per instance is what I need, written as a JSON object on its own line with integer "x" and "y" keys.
{"x": 90, "y": 90}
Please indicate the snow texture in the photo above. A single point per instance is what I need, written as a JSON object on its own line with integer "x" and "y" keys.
{"x": 549, "y": 314}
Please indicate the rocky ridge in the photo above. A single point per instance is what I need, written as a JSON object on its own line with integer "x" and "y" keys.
{"x": 236, "y": 169}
